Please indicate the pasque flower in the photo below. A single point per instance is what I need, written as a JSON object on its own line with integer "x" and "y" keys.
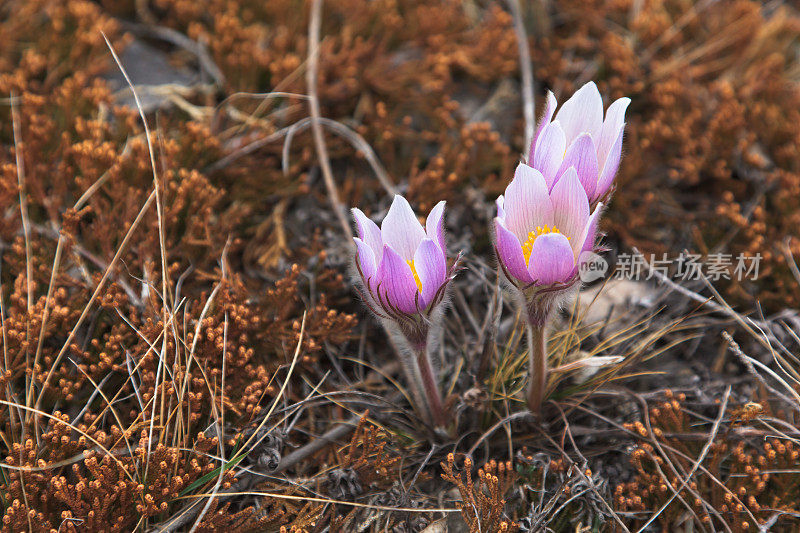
{"x": 544, "y": 224}
{"x": 402, "y": 265}
{"x": 403, "y": 270}
{"x": 539, "y": 238}
{"x": 540, "y": 234}
{"x": 582, "y": 138}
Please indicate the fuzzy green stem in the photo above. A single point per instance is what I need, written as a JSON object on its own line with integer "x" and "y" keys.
{"x": 537, "y": 366}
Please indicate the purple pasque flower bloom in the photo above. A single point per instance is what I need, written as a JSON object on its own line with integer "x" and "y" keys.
{"x": 580, "y": 137}
{"x": 403, "y": 266}
{"x": 404, "y": 273}
{"x": 540, "y": 233}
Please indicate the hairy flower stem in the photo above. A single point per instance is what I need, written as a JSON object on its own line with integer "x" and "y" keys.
{"x": 412, "y": 347}
{"x": 537, "y": 366}
{"x": 430, "y": 387}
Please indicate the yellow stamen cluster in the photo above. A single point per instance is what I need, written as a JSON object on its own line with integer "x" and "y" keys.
{"x": 414, "y": 272}
{"x": 527, "y": 246}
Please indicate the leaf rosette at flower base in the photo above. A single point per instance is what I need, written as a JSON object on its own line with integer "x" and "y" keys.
{"x": 581, "y": 137}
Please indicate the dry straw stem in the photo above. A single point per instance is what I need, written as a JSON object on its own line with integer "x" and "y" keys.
{"x": 359, "y": 505}
{"x": 526, "y": 71}
{"x": 219, "y": 422}
{"x": 342, "y": 130}
{"x": 162, "y": 245}
{"x": 23, "y": 207}
{"x": 356, "y": 140}
{"x": 751, "y": 365}
{"x": 501, "y": 423}
{"x": 316, "y": 128}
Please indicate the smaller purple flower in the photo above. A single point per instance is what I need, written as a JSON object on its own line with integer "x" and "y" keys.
{"x": 540, "y": 234}
{"x": 403, "y": 271}
{"x": 403, "y": 266}
{"x": 580, "y": 137}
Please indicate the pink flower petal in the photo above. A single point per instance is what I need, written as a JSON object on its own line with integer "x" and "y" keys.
{"x": 615, "y": 119}
{"x": 547, "y": 116}
{"x": 501, "y": 212}
{"x": 552, "y": 259}
{"x": 589, "y": 234}
{"x": 527, "y": 202}
{"x": 509, "y": 251}
{"x": 401, "y": 230}
{"x": 431, "y": 266}
{"x": 368, "y": 231}
{"x": 570, "y": 207}
{"x": 581, "y": 154}
{"x": 611, "y": 166}
{"x": 549, "y": 152}
{"x": 366, "y": 261}
{"x": 434, "y": 227}
{"x": 395, "y": 282}
{"x": 582, "y": 113}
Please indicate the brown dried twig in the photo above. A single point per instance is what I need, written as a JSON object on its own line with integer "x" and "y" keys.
{"x": 316, "y": 128}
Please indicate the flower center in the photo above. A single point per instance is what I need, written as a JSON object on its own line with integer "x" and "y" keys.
{"x": 414, "y": 272}
{"x": 527, "y": 246}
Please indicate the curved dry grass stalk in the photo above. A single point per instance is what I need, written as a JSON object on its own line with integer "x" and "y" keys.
{"x": 161, "y": 240}
{"x": 316, "y": 128}
{"x": 37, "y": 412}
{"x": 526, "y": 71}
{"x": 98, "y": 390}
{"x": 23, "y": 207}
{"x": 356, "y": 140}
{"x": 219, "y": 423}
{"x": 359, "y": 505}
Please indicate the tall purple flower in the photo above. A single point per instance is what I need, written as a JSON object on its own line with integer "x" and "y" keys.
{"x": 580, "y": 137}
{"x": 543, "y": 223}
{"x": 540, "y": 235}
{"x": 403, "y": 270}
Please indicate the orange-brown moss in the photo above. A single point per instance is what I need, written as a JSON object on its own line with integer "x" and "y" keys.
{"x": 740, "y": 482}
{"x": 482, "y": 504}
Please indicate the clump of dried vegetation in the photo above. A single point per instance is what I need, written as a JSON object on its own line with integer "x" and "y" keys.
{"x": 182, "y": 350}
{"x": 737, "y": 481}
{"x": 482, "y": 506}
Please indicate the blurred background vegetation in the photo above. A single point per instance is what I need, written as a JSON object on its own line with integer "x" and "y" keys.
{"x": 160, "y": 322}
